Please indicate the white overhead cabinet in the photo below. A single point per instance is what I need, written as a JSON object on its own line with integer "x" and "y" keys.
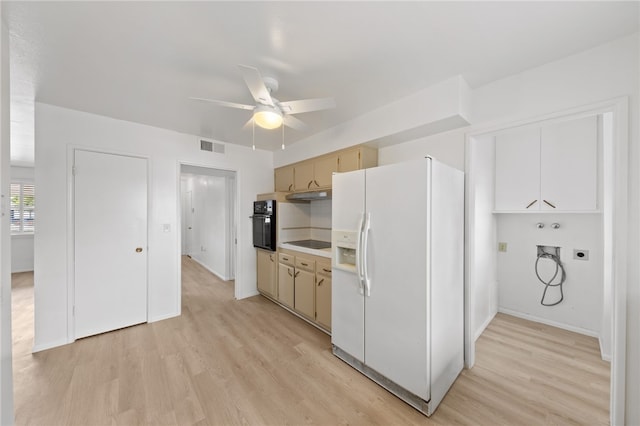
{"x": 550, "y": 168}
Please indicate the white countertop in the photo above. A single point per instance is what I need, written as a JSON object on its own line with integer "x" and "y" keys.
{"x": 316, "y": 252}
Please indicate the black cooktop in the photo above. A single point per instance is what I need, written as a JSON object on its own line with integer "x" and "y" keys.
{"x": 312, "y": 244}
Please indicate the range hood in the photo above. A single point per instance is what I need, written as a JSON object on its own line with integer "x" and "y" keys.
{"x": 324, "y": 194}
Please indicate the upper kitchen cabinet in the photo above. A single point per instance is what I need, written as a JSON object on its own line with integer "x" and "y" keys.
{"x": 324, "y": 168}
{"x": 355, "y": 159}
{"x": 284, "y": 179}
{"x": 316, "y": 173}
{"x": 553, "y": 167}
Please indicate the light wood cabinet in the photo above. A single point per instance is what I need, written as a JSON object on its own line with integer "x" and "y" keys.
{"x": 304, "y": 293}
{"x": 304, "y": 286}
{"x": 317, "y": 173}
{"x": 323, "y": 171}
{"x": 303, "y": 176}
{"x": 323, "y": 295}
{"x": 304, "y": 283}
{"x": 550, "y": 168}
{"x": 283, "y": 179}
{"x": 266, "y": 273}
{"x": 285, "y": 285}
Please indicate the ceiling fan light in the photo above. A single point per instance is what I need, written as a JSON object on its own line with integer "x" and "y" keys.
{"x": 267, "y": 118}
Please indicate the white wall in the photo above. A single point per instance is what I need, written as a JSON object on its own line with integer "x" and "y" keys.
{"x": 6, "y": 373}
{"x": 435, "y": 109}
{"x": 22, "y": 245}
{"x": 519, "y": 288}
{"x": 57, "y": 129}
{"x": 446, "y": 147}
{"x": 210, "y": 223}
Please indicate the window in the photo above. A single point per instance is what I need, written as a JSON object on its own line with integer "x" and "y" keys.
{"x": 22, "y": 208}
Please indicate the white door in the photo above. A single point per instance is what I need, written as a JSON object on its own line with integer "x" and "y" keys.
{"x": 110, "y": 215}
{"x": 518, "y": 170}
{"x": 347, "y": 302}
{"x": 396, "y": 316}
{"x": 569, "y": 165}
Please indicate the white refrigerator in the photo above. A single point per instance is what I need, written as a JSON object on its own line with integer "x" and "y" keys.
{"x": 398, "y": 266}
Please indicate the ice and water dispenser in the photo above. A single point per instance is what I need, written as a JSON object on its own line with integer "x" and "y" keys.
{"x": 344, "y": 244}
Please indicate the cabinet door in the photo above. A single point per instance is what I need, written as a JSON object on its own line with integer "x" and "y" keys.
{"x": 285, "y": 285}
{"x": 323, "y": 172}
{"x": 569, "y": 165}
{"x": 284, "y": 179}
{"x": 323, "y": 299}
{"x": 303, "y": 176}
{"x": 349, "y": 160}
{"x": 267, "y": 273}
{"x": 304, "y": 290}
{"x": 518, "y": 170}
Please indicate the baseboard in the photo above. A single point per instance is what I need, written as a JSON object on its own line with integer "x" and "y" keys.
{"x": 604, "y": 356}
{"x": 163, "y": 317}
{"x": 549, "y": 322}
{"x": 17, "y": 271}
{"x": 483, "y": 327}
{"x": 50, "y": 345}
{"x": 222, "y": 277}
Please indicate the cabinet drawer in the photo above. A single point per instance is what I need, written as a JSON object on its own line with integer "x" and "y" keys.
{"x": 305, "y": 264}
{"x": 323, "y": 269}
{"x": 287, "y": 259}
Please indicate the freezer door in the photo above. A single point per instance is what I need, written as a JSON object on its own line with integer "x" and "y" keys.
{"x": 396, "y": 312}
{"x": 347, "y": 301}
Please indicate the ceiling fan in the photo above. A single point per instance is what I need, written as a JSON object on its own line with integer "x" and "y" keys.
{"x": 269, "y": 112}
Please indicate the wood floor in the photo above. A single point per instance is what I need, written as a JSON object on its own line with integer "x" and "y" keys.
{"x": 228, "y": 362}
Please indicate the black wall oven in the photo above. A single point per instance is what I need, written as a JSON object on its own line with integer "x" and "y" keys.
{"x": 264, "y": 224}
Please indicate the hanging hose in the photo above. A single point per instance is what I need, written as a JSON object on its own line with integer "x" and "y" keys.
{"x": 559, "y": 270}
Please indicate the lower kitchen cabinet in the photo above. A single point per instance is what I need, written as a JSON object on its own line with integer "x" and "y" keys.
{"x": 266, "y": 273}
{"x": 285, "y": 285}
{"x": 303, "y": 285}
{"x": 323, "y": 295}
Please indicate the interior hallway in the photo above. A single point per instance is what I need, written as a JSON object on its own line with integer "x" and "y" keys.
{"x": 250, "y": 362}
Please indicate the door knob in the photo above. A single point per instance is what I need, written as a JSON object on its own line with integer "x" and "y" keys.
{"x": 138, "y": 249}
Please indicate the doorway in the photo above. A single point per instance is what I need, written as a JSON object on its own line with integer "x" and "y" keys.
{"x": 481, "y": 288}
{"x": 208, "y": 218}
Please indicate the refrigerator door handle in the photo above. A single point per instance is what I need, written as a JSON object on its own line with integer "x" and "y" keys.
{"x": 365, "y": 252}
{"x": 359, "y": 269}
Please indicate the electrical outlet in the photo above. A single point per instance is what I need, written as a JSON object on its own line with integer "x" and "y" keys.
{"x": 580, "y": 254}
{"x": 502, "y": 247}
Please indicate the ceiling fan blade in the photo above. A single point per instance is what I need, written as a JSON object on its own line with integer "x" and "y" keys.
{"x": 225, "y": 103}
{"x": 307, "y": 105}
{"x": 248, "y": 124}
{"x": 294, "y": 123}
{"x": 256, "y": 85}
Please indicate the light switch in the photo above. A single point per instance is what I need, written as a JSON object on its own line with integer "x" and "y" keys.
{"x": 166, "y": 227}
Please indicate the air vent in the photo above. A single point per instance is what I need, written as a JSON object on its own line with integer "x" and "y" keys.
{"x": 218, "y": 148}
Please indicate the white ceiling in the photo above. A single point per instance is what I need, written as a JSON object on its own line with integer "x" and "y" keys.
{"x": 140, "y": 61}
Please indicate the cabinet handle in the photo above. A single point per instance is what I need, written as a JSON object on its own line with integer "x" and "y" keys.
{"x": 320, "y": 282}
{"x": 290, "y": 185}
{"x": 296, "y": 274}
{"x": 531, "y": 203}
{"x": 309, "y": 184}
{"x": 316, "y": 182}
{"x": 289, "y": 272}
{"x": 304, "y": 264}
{"x": 326, "y": 270}
{"x": 285, "y": 258}
{"x": 549, "y": 204}
{"x": 271, "y": 257}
